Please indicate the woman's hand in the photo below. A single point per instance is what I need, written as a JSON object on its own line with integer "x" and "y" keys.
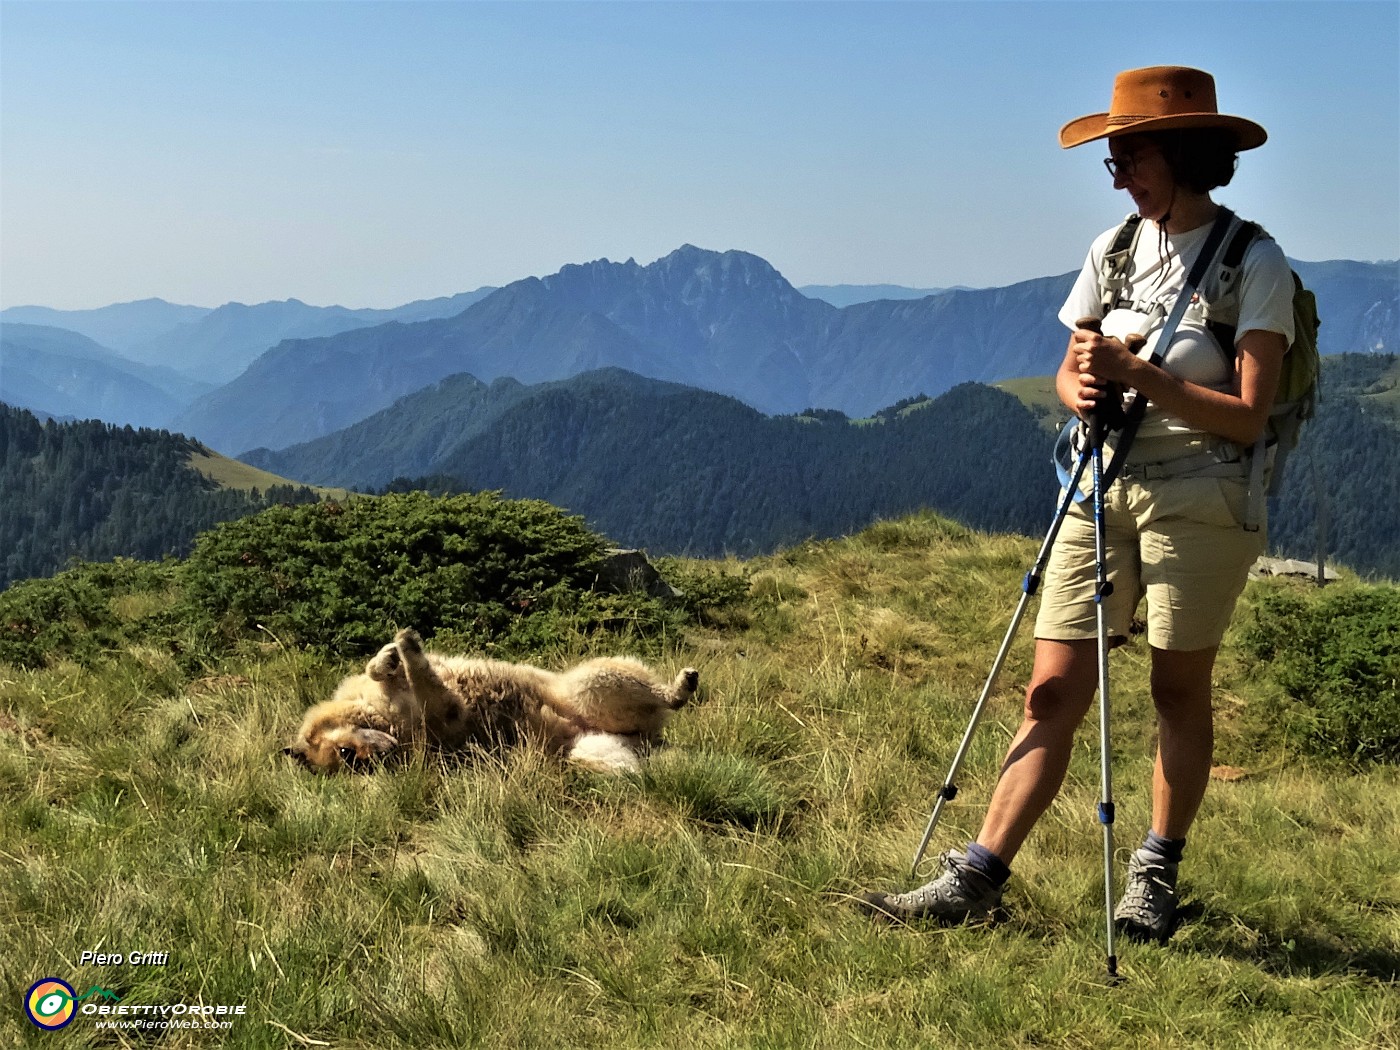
{"x": 1105, "y": 360}
{"x": 1093, "y": 362}
{"x": 1085, "y": 393}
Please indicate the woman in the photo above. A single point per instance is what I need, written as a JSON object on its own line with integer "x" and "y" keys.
{"x": 1174, "y": 534}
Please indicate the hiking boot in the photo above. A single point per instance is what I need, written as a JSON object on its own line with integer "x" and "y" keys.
{"x": 1148, "y": 906}
{"x": 960, "y": 894}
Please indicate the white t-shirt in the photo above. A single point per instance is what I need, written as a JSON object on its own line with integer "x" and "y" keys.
{"x": 1156, "y": 276}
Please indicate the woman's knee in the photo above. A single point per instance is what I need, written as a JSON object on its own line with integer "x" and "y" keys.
{"x": 1055, "y": 700}
{"x": 1062, "y": 681}
{"x": 1181, "y": 683}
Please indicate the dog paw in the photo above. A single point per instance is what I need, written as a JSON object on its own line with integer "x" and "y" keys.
{"x": 385, "y": 665}
{"x": 686, "y": 684}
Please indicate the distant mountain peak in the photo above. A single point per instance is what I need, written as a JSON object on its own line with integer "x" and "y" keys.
{"x": 721, "y": 273}
{"x": 596, "y": 265}
{"x": 689, "y": 251}
{"x": 690, "y": 255}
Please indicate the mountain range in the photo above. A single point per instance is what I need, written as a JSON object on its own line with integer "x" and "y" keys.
{"x": 65, "y": 374}
{"x": 680, "y": 470}
{"x": 725, "y": 322}
{"x": 215, "y": 345}
{"x": 670, "y": 468}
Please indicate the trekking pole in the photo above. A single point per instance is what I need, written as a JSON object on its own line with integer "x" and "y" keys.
{"x": 1029, "y": 585}
{"x": 1099, "y": 423}
{"x": 1098, "y": 429}
{"x": 1102, "y": 589}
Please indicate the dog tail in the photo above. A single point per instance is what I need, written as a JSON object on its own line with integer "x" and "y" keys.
{"x": 604, "y": 753}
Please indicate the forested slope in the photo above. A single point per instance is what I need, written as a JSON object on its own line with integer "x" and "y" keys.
{"x": 95, "y": 491}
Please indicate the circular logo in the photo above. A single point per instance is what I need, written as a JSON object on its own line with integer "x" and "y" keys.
{"x": 50, "y": 1003}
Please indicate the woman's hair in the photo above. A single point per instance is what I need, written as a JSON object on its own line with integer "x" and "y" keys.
{"x": 1200, "y": 159}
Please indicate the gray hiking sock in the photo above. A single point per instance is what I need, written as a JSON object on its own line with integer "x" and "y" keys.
{"x": 1170, "y": 850}
{"x": 983, "y": 861}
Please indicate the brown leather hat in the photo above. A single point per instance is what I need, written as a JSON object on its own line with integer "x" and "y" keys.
{"x": 1160, "y": 98}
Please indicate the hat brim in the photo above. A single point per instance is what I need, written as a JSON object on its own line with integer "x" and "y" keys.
{"x": 1248, "y": 135}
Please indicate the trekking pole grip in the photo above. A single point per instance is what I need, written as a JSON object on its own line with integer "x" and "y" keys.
{"x": 1109, "y": 414}
{"x": 1098, "y": 428}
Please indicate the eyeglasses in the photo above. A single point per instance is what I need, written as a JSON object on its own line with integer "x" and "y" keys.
{"x": 1124, "y": 166}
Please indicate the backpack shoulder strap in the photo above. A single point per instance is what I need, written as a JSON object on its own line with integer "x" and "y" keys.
{"x": 1222, "y": 283}
{"x": 1239, "y": 244}
{"x": 1118, "y": 262}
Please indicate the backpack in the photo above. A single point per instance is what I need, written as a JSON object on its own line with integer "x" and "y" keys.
{"x": 1295, "y": 400}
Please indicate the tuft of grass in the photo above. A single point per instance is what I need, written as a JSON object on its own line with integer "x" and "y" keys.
{"x": 719, "y": 789}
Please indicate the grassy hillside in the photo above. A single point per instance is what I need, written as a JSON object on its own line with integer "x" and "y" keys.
{"x": 231, "y": 474}
{"x": 1038, "y": 394}
{"x": 707, "y": 901}
{"x": 1373, "y": 378}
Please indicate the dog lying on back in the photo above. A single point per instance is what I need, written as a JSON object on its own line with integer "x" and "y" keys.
{"x": 603, "y": 714}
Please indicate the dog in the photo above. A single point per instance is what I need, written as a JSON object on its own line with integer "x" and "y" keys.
{"x": 605, "y": 714}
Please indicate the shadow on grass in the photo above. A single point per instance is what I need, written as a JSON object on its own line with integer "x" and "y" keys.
{"x": 1290, "y": 952}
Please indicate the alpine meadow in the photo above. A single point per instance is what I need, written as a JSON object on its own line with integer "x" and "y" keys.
{"x": 707, "y": 900}
{"x": 523, "y": 526}
{"x": 842, "y": 585}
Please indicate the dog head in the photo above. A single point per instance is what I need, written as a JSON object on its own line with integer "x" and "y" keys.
{"x": 336, "y": 748}
{"x": 354, "y": 731}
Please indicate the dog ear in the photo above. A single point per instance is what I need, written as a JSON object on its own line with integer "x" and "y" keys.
{"x": 381, "y": 743}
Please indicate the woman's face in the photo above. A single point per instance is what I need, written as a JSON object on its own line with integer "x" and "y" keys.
{"x": 1141, "y": 169}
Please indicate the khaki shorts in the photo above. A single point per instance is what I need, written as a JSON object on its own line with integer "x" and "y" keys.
{"x": 1178, "y": 542}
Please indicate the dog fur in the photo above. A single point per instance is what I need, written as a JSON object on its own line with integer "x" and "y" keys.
{"x": 603, "y": 714}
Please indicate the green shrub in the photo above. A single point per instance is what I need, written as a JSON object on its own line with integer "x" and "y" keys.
{"x": 344, "y": 575}
{"x": 85, "y": 611}
{"x": 476, "y": 572}
{"x": 1336, "y": 652}
{"x": 709, "y": 594}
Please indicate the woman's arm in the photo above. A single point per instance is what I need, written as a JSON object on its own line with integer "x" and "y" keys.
{"x": 1237, "y": 416}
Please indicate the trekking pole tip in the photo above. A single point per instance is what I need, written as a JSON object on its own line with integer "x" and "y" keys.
{"x": 1114, "y": 978}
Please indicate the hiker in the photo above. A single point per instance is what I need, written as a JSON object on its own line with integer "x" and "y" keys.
{"x": 1174, "y": 522}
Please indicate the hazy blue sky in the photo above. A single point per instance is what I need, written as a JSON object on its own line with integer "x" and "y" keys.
{"x": 369, "y": 154}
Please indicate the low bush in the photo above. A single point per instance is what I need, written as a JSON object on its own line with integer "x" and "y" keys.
{"x": 344, "y": 576}
{"x": 477, "y": 572}
{"x": 708, "y": 593}
{"x": 85, "y": 611}
{"x": 1337, "y": 653}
